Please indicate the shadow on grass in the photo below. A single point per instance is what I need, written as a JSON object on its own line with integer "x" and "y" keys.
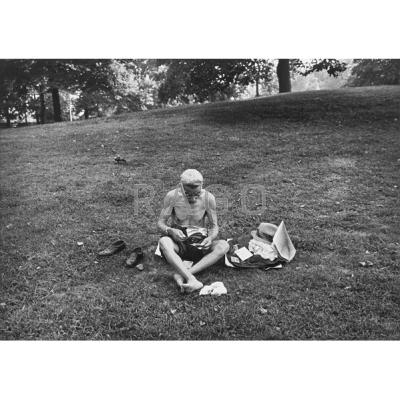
{"x": 346, "y": 105}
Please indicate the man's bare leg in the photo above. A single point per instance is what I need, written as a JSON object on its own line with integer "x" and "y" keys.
{"x": 179, "y": 281}
{"x": 219, "y": 249}
{"x": 169, "y": 249}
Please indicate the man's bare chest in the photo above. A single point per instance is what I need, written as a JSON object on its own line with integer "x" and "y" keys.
{"x": 192, "y": 213}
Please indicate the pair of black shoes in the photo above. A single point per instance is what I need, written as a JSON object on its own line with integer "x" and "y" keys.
{"x": 133, "y": 260}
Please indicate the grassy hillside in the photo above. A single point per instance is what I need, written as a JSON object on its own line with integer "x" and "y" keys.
{"x": 329, "y": 161}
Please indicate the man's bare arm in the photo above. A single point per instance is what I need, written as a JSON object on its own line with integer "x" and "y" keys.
{"x": 212, "y": 217}
{"x": 176, "y": 234}
{"x": 165, "y": 213}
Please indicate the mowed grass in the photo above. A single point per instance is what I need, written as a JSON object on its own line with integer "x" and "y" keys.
{"x": 329, "y": 162}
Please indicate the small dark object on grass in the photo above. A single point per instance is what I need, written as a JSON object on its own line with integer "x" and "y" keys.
{"x": 119, "y": 160}
{"x": 113, "y": 248}
{"x": 135, "y": 258}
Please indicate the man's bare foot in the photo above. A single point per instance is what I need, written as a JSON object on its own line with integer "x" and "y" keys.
{"x": 179, "y": 281}
{"x": 192, "y": 285}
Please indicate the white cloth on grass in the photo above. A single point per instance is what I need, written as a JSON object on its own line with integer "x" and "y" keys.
{"x": 215, "y": 289}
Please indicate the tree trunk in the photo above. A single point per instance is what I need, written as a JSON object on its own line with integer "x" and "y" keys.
{"x": 86, "y": 113}
{"x": 70, "y": 106}
{"x": 42, "y": 108}
{"x": 37, "y": 117}
{"x": 8, "y": 119}
{"x": 257, "y": 79}
{"x": 283, "y": 72}
{"x": 56, "y": 104}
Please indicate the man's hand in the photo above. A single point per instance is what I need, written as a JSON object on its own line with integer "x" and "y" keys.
{"x": 177, "y": 234}
{"x": 206, "y": 243}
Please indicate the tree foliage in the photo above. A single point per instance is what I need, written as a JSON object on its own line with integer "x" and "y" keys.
{"x": 50, "y": 89}
{"x": 13, "y": 89}
{"x": 127, "y": 85}
{"x": 369, "y": 72}
{"x": 331, "y": 65}
{"x": 286, "y": 68}
{"x": 209, "y": 79}
{"x": 97, "y": 86}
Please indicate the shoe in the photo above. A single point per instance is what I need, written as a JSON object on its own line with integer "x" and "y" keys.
{"x": 118, "y": 160}
{"x": 113, "y": 248}
{"x": 135, "y": 258}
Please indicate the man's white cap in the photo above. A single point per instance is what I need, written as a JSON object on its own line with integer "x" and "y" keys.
{"x": 191, "y": 177}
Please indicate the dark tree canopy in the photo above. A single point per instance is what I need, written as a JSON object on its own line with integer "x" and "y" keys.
{"x": 369, "y": 72}
{"x": 211, "y": 78}
{"x": 332, "y": 66}
{"x": 96, "y": 83}
{"x": 13, "y": 88}
{"x": 51, "y": 89}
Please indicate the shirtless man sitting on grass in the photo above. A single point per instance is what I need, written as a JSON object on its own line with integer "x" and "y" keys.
{"x": 187, "y": 207}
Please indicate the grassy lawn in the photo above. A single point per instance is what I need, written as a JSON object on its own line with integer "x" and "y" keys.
{"x": 329, "y": 161}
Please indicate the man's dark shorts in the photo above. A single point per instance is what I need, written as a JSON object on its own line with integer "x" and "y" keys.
{"x": 187, "y": 251}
